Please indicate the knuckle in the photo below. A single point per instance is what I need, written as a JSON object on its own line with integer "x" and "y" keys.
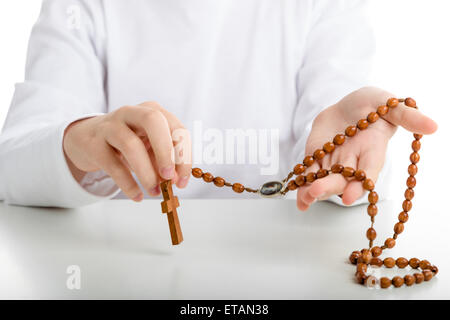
{"x": 152, "y": 115}
{"x": 151, "y": 104}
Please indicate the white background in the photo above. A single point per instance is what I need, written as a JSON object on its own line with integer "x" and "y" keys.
{"x": 412, "y": 59}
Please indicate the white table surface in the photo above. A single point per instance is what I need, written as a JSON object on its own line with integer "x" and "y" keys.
{"x": 232, "y": 249}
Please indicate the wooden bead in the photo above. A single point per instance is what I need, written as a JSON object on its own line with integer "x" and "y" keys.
{"x": 366, "y": 256}
{"x": 319, "y": 154}
{"x": 360, "y": 175}
{"x": 412, "y": 169}
{"x": 419, "y": 277}
{"x": 382, "y": 110}
{"x": 197, "y": 172}
{"x": 219, "y": 182}
{"x": 368, "y": 185}
{"x": 371, "y": 234}
{"x": 434, "y": 269}
{"x": 373, "y": 117}
{"x": 350, "y": 131}
{"x": 414, "y": 157}
{"x": 299, "y": 169}
{"x": 409, "y": 280}
{"x": 389, "y": 262}
{"x": 410, "y": 102}
{"x": 337, "y": 168}
{"x": 361, "y": 267}
{"x": 292, "y": 185}
{"x": 311, "y": 177}
{"x": 424, "y": 264}
{"x": 427, "y": 274}
{"x": 355, "y": 255}
{"x": 418, "y": 136}
{"x": 208, "y": 177}
{"x": 308, "y": 161}
{"x": 360, "y": 277}
{"x": 385, "y": 282}
{"x": 411, "y": 182}
{"x": 389, "y": 243}
{"x": 399, "y": 227}
{"x": 300, "y": 181}
{"x": 372, "y": 210}
{"x": 362, "y": 124}
{"x": 321, "y": 173}
{"x": 414, "y": 263}
{"x": 401, "y": 262}
{"x": 403, "y": 217}
{"x": 376, "y": 262}
{"x": 407, "y": 205}
{"x": 415, "y": 145}
{"x": 348, "y": 172}
{"x": 376, "y": 251}
{"x": 397, "y": 281}
{"x": 409, "y": 194}
{"x": 237, "y": 187}
{"x": 339, "y": 139}
{"x": 329, "y": 147}
{"x": 392, "y": 103}
{"x": 372, "y": 197}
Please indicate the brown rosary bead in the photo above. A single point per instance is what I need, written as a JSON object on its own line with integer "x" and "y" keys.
{"x": 411, "y": 182}
{"x": 392, "y": 103}
{"x": 368, "y": 185}
{"x": 319, "y": 154}
{"x": 237, "y": 187}
{"x": 360, "y": 277}
{"x": 418, "y": 136}
{"x": 219, "y": 182}
{"x": 402, "y": 262}
{"x": 300, "y": 181}
{"x": 427, "y": 274}
{"x": 399, "y": 227}
{"x": 434, "y": 269}
{"x": 299, "y": 169}
{"x": 208, "y": 177}
{"x": 308, "y": 161}
{"x": 321, "y": 173}
{"x": 372, "y": 197}
{"x": 363, "y": 124}
{"x": 329, "y": 147}
{"x": 409, "y": 194}
{"x": 360, "y": 175}
{"x": 348, "y": 172}
{"x": 412, "y": 169}
{"x": 389, "y": 243}
{"x": 397, "y": 281}
{"x": 197, "y": 172}
{"x": 424, "y": 264}
{"x": 373, "y": 117}
{"x": 350, "y": 131}
{"x": 311, "y": 177}
{"x": 371, "y": 234}
{"x": 376, "y": 251}
{"x": 419, "y": 277}
{"x": 292, "y": 185}
{"x": 415, "y": 157}
{"x": 355, "y": 255}
{"x": 389, "y": 262}
{"x": 403, "y": 217}
{"x": 414, "y": 263}
{"x": 410, "y": 102}
{"x": 366, "y": 256}
{"x": 385, "y": 282}
{"x": 337, "y": 168}
{"x": 372, "y": 210}
{"x": 415, "y": 145}
{"x": 376, "y": 262}
{"x": 409, "y": 280}
{"x": 339, "y": 139}
{"x": 382, "y": 110}
{"x": 361, "y": 267}
{"x": 407, "y": 205}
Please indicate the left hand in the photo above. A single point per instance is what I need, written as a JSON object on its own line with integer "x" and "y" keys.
{"x": 365, "y": 151}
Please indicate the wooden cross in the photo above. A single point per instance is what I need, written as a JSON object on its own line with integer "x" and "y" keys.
{"x": 169, "y": 206}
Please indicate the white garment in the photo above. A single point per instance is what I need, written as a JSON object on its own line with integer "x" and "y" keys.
{"x": 254, "y": 64}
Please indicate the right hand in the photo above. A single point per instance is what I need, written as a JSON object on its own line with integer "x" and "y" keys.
{"x": 132, "y": 138}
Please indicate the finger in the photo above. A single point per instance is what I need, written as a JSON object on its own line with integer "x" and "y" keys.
{"x": 302, "y": 202}
{"x": 411, "y": 119}
{"x": 110, "y": 162}
{"x": 183, "y": 156}
{"x": 133, "y": 150}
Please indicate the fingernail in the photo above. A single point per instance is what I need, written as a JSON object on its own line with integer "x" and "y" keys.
{"x": 167, "y": 173}
{"x": 155, "y": 191}
{"x": 139, "y": 197}
{"x": 183, "y": 182}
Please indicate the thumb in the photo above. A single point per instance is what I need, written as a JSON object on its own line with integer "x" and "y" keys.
{"x": 411, "y": 119}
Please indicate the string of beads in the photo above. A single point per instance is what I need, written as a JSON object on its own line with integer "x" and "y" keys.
{"x": 370, "y": 256}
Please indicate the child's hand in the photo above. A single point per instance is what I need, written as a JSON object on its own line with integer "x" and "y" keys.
{"x": 366, "y": 150}
{"x": 132, "y": 138}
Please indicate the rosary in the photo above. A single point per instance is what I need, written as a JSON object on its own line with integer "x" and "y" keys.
{"x": 361, "y": 258}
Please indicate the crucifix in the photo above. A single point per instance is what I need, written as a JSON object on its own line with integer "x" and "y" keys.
{"x": 169, "y": 206}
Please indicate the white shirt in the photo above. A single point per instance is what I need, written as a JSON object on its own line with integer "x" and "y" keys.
{"x": 229, "y": 64}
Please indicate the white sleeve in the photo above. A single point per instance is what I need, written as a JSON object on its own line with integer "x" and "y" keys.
{"x": 336, "y": 61}
{"x": 64, "y": 81}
